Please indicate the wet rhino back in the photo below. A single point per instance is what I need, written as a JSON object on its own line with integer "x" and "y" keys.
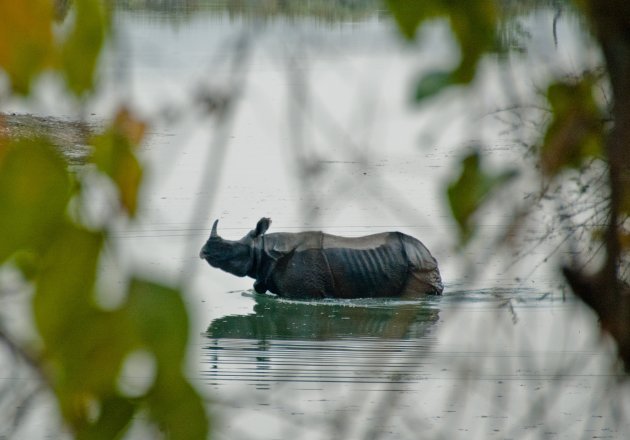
{"x": 316, "y": 265}
{"x": 371, "y": 266}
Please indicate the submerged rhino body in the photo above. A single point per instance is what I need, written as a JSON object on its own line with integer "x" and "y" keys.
{"x": 318, "y": 265}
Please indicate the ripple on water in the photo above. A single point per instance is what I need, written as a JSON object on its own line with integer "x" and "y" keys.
{"x": 358, "y": 341}
{"x": 372, "y": 340}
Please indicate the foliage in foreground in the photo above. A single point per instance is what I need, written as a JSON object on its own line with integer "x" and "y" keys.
{"x": 576, "y": 137}
{"x": 83, "y": 349}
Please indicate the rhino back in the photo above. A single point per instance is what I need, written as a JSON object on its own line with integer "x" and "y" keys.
{"x": 284, "y": 243}
{"x": 371, "y": 266}
{"x": 316, "y": 265}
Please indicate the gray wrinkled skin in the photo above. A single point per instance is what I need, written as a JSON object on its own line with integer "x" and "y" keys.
{"x": 318, "y": 265}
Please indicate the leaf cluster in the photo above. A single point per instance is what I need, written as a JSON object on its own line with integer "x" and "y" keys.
{"x": 83, "y": 349}
{"x": 473, "y": 24}
{"x": 574, "y": 134}
{"x": 474, "y": 186}
{"x": 31, "y": 44}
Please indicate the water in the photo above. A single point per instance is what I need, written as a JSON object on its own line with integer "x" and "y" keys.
{"x": 323, "y": 136}
{"x": 394, "y": 369}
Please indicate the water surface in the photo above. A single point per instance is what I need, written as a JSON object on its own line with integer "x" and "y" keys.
{"x": 504, "y": 363}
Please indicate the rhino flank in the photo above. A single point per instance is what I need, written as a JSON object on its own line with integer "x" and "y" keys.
{"x": 314, "y": 264}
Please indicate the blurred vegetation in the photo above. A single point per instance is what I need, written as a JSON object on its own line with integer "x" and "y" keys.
{"x": 585, "y": 134}
{"x": 81, "y": 348}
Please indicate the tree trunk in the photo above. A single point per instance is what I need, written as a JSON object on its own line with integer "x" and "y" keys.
{"x": 605, "y": 292}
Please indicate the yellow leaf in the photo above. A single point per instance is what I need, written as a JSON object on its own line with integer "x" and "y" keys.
{"x": 130, "y": 127}
{"x": 26, "y": 43}
{"x": 128, "y": 179}
{"x": 113, "y": 155}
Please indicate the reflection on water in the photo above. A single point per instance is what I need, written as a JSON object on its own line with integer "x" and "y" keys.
{"x": 359, "y": 341}
{"x": 342, "y": 341}
{"x": 319, "y": 369}
{"x": 275, "y": 318}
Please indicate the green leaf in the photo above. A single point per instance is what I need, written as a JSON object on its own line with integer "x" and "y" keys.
{"x": 178, "y": 408}
{"x": 575, "y": 133}
{"x": 473, "y": 24}
{"x": 34, "y": 191}
{"x": 115, "y": 414}
{"x": 63, "y": 299}
{"x": 27, "y": 262}
{"x": 81, "y": 49}
{"x": 432, "y": 83}
{"x": 162, "y": 322}
{"x": 87, "y": 365}
{"x": 84, "y": 346}
{"x": 26, "y": 43}
{"x": 471, "y": 190}
{"x": 94, "y": 353}
{"x": 409, "y": 15}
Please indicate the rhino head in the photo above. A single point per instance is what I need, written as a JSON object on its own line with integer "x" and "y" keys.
{"x": 235, "y": 257}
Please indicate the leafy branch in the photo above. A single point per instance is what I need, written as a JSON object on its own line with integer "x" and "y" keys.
{"x": 83, "y": 349}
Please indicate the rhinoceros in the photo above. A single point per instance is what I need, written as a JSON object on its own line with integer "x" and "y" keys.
{"x": 315, "y": 264}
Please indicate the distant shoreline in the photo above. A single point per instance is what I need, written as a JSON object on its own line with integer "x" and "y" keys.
{"x": 70, "y": 136}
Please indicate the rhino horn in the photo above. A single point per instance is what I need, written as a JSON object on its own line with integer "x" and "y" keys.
{"x": 214, "y": 233}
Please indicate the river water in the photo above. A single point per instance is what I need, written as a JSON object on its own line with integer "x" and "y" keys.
{"x": 317, "y": 131}
{"x": 451, "y": 367}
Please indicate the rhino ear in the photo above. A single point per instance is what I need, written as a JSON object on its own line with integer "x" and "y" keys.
{"x": 262, "y": 226}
